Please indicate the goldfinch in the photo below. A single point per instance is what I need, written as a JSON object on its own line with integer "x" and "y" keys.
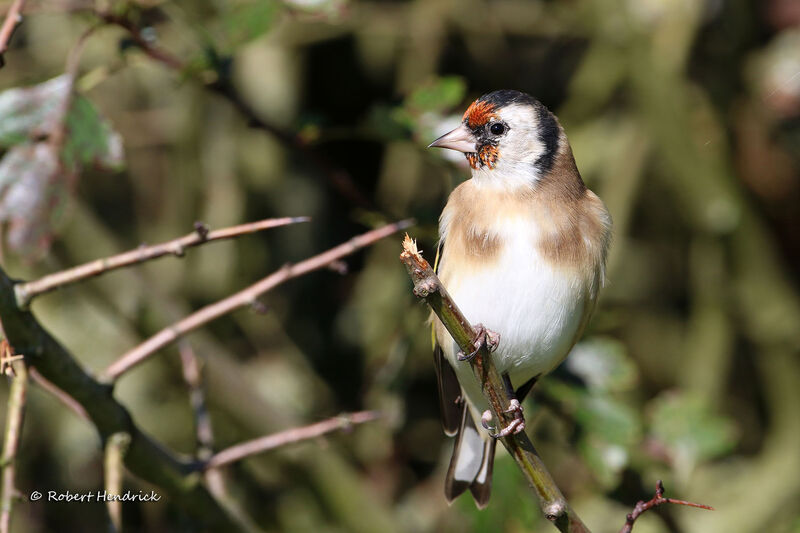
{"x": 522, "y": 251}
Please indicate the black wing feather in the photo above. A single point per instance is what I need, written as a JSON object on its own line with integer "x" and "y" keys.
{"x": 450, "y": 403}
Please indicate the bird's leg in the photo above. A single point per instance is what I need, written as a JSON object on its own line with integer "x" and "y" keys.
{"x": 484, "y": 336}
{"x": 515, "y": 426}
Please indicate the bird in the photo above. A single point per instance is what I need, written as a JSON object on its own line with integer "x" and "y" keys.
{"x": 522, "y": 252}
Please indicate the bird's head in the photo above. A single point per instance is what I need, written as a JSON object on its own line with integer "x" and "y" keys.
{"x": 506, "y": 135}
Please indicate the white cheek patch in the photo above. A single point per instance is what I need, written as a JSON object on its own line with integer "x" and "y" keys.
{"x": 518, "y": 151}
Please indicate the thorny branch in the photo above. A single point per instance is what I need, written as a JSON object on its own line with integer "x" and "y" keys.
{"x": 26, "y": 292}
{"x": 429, "y": 288}
{"x": 244, "y": 298}
{"x": 14, "y": 418}
{"x": 10, "y": 24}
{"x": 270, "y": 442}
{"x": 655, "y": 501}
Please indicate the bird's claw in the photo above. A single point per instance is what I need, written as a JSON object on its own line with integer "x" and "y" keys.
{"x": 514, "y": 427}
{"x": 485, "y": 337}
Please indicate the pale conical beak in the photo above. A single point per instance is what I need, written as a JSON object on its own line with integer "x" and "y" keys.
{"x": 460, "y": 139}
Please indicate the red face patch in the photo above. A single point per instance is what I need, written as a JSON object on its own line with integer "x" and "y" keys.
{"x": 479, "y": 113}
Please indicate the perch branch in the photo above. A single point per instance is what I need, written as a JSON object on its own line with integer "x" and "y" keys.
{"x": 244, "y": 298}
{"x": 270, "y": 442}
{"x": 655, "y": 501}
{"x": 429, "y": 288}
{"x": 28, "y": 291}
{"x": 10, "y": 24}
{"x": 14, "y": 418}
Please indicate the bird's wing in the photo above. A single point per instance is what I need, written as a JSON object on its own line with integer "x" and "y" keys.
{"x": 450, "y": 403}
{"x": 471, "y": 463}
{"x": 451, "y": 407}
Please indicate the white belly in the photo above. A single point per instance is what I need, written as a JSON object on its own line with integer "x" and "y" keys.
{"x": 537, "y": 309}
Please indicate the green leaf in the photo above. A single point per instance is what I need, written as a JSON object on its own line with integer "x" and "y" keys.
{"x": 439, "y": 95}
{"x": 689, "y": 430}
{"x": 510, "y": 504}
{"x": 35, "y": 112}
{"x": 244, "y": 21}
{"x": 90, "y": 139}
{"x": 28, "y": 112}
{"x": 34, "y": 179}
{"x": 608, "y": 428}
{"x": 603, "y": 364}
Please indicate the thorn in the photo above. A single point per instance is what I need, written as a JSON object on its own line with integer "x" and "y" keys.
{"x": 340, "y": 267}
{"x": 259, "y": 307}
{"x": 202, "y": 230}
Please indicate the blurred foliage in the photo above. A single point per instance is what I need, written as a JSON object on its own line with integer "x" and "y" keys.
{"x": 684, "y": 116}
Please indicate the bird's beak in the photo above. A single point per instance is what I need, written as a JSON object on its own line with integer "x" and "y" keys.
{"x": 460, "y": 139}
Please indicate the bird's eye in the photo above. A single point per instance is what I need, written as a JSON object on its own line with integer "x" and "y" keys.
{"x": 497, "y": 128}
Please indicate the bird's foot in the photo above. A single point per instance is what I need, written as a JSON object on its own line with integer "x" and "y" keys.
{"x": 515, "y": 426}
{"x": 484, "y": 337}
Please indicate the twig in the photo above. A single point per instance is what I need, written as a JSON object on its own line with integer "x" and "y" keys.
{"x": 68, "y": 401}
{"x": 429, "y": 288}
{"x": 270, "y": 442}
{"x": 26, "y": 292}
{"x": 192, "y": 375}
{"x": 58, "y": 135}
{"x": 10, "y": 24}
{"x": 7, "y": 357}
{"x": 244, "y": 297}
{"x": 215, "y": 479}
{"x": 116, "y": 448}
{"x": 655, "y": 501}
{"x": 144, "y": 44}
{"x": 14, "y": 418}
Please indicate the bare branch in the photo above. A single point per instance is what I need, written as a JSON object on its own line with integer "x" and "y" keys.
{"x": 215, "y": 479}
{"x": 14, "y": 418}
{"x": 116, "y": 448}
{"x": 270, "y": 442}
{"x": 429, "y": 288}
{"x": 244, "y": 298}
{"x": 192, "y": 375}
{"x": 7, "y": 357}
{"x": 144, "y": 44}
{"x": 67, "y": 400}
{"x": 10, "y": 24}
{"x": 26, "y": 292}
{"x": 655, "y": 501}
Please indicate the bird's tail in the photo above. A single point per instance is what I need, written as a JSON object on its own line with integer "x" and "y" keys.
{"x": 471, "y": 464}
